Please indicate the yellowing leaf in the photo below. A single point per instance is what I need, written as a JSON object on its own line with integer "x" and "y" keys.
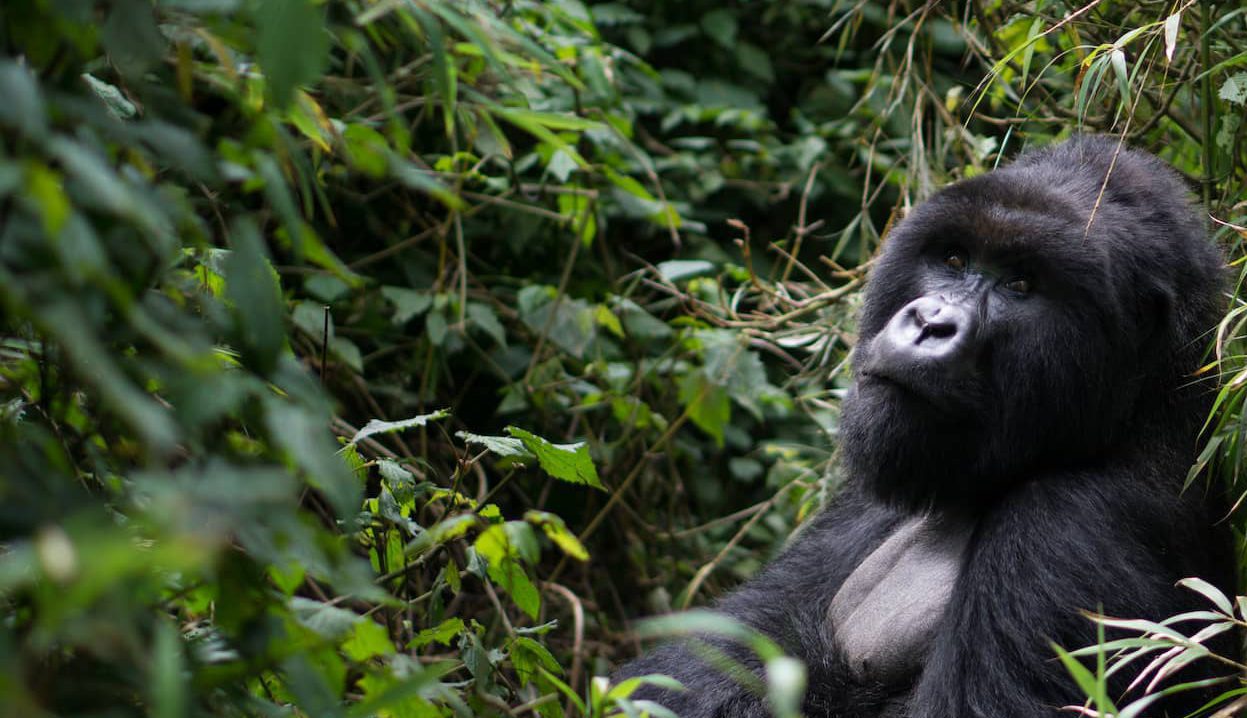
{"x": 557, "y": 531}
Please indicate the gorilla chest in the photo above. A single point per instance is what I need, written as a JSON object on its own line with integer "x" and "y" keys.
{"x": 886, "y": 614}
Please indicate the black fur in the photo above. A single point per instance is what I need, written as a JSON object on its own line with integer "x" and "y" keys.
{"x": 1063, "y": 434}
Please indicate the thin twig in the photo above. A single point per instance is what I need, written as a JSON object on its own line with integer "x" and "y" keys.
{"x": 578, "y": 634}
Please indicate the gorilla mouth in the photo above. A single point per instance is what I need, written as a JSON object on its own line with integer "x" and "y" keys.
{"x": 884, "y": 379}
{"x": 889, "y": 384}
{"x": 937, "y": 397}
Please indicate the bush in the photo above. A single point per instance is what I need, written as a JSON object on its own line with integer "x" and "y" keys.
{"x": 387, "y": 358}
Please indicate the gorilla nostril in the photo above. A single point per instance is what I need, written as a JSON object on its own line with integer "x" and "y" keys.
{"x": 941, "y": 330}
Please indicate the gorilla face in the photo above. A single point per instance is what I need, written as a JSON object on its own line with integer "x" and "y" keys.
{"x": 1025, "y": 320}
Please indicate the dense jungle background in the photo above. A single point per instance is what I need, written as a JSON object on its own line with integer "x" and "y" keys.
{"x": 390, "y": 358}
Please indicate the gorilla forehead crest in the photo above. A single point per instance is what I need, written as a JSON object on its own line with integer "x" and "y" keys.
{"x": 1031, "y": 316}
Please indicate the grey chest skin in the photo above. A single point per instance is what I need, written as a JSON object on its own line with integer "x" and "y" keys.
{"x": 885, "y": 615}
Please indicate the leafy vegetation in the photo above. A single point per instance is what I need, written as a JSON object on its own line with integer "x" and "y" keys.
{"x": 386, "y": 358}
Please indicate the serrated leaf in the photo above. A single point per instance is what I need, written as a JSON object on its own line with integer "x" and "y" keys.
{"x": 505, "y": 570}
{"x": 367, "y": 640}
{"x": 569, "y": 462}
{"x": 1234, "y": 89}
{"x": 500, "y": 445}
{"x": 330, "y": 622}
{"x": 376, "y": 426}
{"x": 442, "y": 633}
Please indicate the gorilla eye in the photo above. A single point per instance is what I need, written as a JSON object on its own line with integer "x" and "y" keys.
{"x": 1021, "y": 285}
{"x": 956, "y": 259}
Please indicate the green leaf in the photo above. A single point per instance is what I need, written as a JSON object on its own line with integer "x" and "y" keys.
{"x": 421, "y": 181}
{"x": 721, "y": 26}
{"x": 133, "y": 41}
{"x": 169, "y": 689}
{"x": 528, "y": 655}
{"x": 1211, "y": 592}
{"x": 628, "y": 184}
{"x": 113, "y": 98}
{"x": 502, "y": 554}
{"x": 606, "y": 318}
{"x": 102, "y": 188}
{"x": 755, "y": 62}
{"x": 65, "y": 322}
{"x": 310, "y": 318}
{"x": 504, "y": 446}
{"x": 540, "y": 124}
{"x": 43, "y": 189}
{"x": 408, "y": 303}
{"x": 673, "y": 270}
{"x": 1118, "y": 58}
{"x": 569, "y": 462}
{"x": 330, "y": 622}
{"x": 292, "y": 44}
{"x": 1234, "y": 89}
{"x": 442, "y": 633}
{"x": 367, "y": 640}
{"x": 348, "y": 352}
{"x": 1172, "y": 24}
{"x": 561, "y": 166}
{"x": 443, "y": 67}
{"x": 22, "y": 107}
{"x": 639, "y": 323}
{"x": 366, "y": 149}
{"x": 251, "y": 285}
{"x": 376, "y": 426}
{"x": 573, "y": 326}
{"x": 304, "y": 436}
{"x": 707, "y": 404}
{"x": 483, "y": 317}
{"x": 1087, "y": 681}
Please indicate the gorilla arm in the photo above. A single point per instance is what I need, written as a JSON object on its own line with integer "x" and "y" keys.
{"x": 788, "y": 601}
{"x": 1055, "y": 548}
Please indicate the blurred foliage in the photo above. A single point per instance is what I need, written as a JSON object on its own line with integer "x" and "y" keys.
{"x": 385, "y": 358}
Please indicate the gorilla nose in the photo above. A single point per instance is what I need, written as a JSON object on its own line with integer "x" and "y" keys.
{"x": 929, "y": 330}
{"x": 933, "y": 320}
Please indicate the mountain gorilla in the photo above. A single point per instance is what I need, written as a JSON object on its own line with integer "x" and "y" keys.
{"x": 1015, "y": 442}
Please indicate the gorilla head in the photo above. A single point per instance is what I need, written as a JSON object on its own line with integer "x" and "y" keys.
{"x": 1045, "y": 315}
